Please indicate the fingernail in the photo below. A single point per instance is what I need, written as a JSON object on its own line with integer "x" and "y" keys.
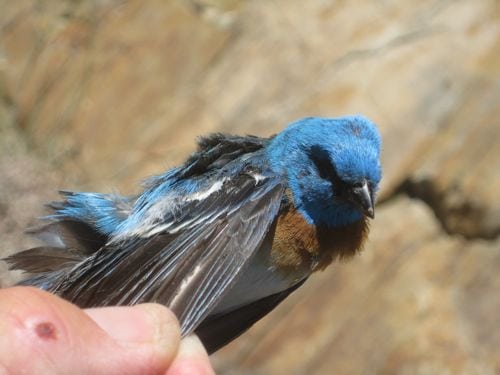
{"x": 191, "y": 358}
{"x": 141, "y": 324}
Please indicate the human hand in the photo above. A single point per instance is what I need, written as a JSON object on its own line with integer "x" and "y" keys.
{"x": 41, "y": 333}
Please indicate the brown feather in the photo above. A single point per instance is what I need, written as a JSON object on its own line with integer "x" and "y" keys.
{"x": 298, "y": 244}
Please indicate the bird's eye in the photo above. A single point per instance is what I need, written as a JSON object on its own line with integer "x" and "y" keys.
{"x": 326, "y": 169}
{"x": 357, "y": 185}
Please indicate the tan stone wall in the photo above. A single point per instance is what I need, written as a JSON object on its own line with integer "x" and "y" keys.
{"x": 98, "y": 94}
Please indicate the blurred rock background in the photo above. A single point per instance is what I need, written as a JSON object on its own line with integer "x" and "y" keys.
{"x": 97, "y": 94}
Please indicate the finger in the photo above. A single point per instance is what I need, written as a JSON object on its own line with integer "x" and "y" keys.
{"x": 150, "y": 332}
{"x": 192, "y": 358}
{"x": 42, "y": 333}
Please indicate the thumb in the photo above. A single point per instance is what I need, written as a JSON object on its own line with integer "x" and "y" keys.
{"x": 41, "y": 333}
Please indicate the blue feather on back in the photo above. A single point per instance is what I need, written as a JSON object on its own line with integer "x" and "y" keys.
{"x": 104, "y": 212}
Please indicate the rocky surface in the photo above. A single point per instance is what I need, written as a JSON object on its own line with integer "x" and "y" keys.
{"x": 428, "y": 308}
{"x": 99, "y": 94}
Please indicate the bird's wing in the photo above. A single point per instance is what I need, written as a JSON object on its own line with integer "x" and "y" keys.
{"x": 218, "y": 330}
{"x": 186, "y": 259}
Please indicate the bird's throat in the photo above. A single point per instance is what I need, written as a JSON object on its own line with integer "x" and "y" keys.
{"x": 299, "y": 244}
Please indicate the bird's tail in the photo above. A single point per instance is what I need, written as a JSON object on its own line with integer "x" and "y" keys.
{"x": 76, "y": 228}
{"x": 102, "y": 212}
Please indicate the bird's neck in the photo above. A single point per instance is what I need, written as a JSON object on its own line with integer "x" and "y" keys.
{"x": 298, "y": 244}
{"x": 335, "y": 215}
{"x": 324, "y": 210}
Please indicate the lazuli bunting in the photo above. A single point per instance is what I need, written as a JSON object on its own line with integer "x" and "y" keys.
{"x": 225, "y": 237}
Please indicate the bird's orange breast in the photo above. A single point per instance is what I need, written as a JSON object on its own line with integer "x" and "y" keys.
{"x": 298, "y": 244}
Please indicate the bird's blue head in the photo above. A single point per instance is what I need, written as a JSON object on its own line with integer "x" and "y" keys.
{"x": 332, "y": 166}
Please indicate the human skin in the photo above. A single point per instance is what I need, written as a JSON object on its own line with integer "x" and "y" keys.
{"x": 41, "y": 333}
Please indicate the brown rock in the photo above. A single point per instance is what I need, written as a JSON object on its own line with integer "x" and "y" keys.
{"x": 416, "y": 301}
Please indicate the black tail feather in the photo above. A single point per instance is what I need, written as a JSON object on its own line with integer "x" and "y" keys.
{"x": 44, "y": 259}
{"x": 70, "y": 234}
{"x": 44, "y": 280}
{"x": 67, "y": 242}
{"x": 219, "y": 330}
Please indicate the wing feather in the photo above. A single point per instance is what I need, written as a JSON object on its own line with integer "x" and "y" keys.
{"x": 218, "y": 330}
{"x": 191, "y": 264}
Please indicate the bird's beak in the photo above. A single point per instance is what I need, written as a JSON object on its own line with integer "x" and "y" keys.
{"x": 363, "y": 197}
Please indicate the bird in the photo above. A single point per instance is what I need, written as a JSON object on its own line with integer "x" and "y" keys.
{"x": 223, "y": 238}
